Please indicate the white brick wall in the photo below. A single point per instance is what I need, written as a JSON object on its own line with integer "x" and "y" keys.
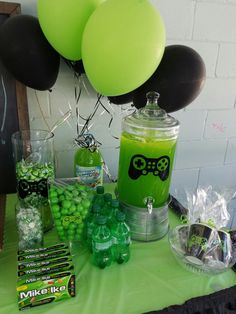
{"x": 215, "y": 21}
{"x": 226, "y": 66}
{"x": 206, "y": 152}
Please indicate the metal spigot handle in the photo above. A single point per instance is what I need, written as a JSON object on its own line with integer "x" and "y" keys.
{"x": 149, "y": 201}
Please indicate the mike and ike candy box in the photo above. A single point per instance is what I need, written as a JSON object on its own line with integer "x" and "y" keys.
{"x": 42, "y": 256}
{"x": 46, "y": 269}
{"x": 45, "y": 275}
{"x": 46, "y": 290}
{"x": 45, "y": 263}
{"x": 55, "y": 247}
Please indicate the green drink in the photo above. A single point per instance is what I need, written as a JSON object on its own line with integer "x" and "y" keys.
{"x": 147, "y": 149}
{"x": 149, "y": 173}
{"x": 88, "y": 162}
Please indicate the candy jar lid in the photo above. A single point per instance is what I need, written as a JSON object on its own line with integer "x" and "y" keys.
{"x": 151, "y": 117}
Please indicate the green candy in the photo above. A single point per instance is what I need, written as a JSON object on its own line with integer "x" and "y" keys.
{"x": 55, "y": 208}
{"x": 59, "y": 191}
{"x": 64, "y": 211}
{"x": 54, "y": 200}
{"x": 69, "y": 205}
{"x": 79, "y": 208}
{"x": 60, "y": 228}
{"x": 72, "y": 209}
{"x": 66, "y": 204}
{"x": 52, "y": 194}
{"x": 61, "y": 198}
{"x": 57, "y": 215}
{"x": 86, "y": 203}
{"x": 77, "y": 200}
{"x": 72, "y": 225}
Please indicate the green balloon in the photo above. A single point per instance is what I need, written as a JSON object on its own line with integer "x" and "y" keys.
{"x": 122, "y": 46}
{"x": 63, "y": 22}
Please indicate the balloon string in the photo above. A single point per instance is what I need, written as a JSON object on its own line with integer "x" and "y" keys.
{"x": 63, "y": 119}
{"x": 78, "y": 94}
{"x": 77, "y": 98}
{"x": 107, "y": 172}
{"x": 41, "y": 110}
{"x": 85, "y": 127}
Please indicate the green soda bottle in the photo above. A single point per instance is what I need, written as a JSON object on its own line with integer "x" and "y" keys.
{"x": 120, "y": 239}
{"x": 91, "y": 223}
{"x": 88, "y": 162}
{"x": 111, "y": 215}
{"x": 107, "y": 204}
{"x": 102, "y": 243}
{"x": 99, "y": 196}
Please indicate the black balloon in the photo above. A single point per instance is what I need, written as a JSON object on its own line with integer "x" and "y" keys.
{"x": 178, "y": 79}
{"x": 122, "y": 99}
{"x": 26, "y": 53}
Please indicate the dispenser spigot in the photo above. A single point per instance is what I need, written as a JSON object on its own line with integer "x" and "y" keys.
{"x": 149, "y": 201}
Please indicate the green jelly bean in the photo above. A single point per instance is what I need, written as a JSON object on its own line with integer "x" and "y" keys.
{"x": 80, "y": 227}
{"x": 60, "y": 228}
{"x": 61, "y": 198}
{"x": 55, "y": 208}
{"x": 66, "y": 204}
{"x": 79, "y": 208}
{"x": 79, "y": 232}
{"x": 57, "y": 222}
{"x": 57, "y": 215}
{"x": 60, "y": 191}
{"x": 68, "y": 196}
{"x": 75, "y": 193}
{"x": 77, "y": 200}
{"x": 52, "y": 193}
{"x": 64, "y": 211}
{"x": 77, "y": 214}
{"x": 72, "y": 209}
{"x": 54, "y": 200}
{"x": 71, "y": 231}
{"x": 72, "y": 225}
{"x": 86, "y": 203}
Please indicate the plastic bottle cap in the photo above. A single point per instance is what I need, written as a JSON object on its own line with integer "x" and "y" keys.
{"x": 107, "y": 197}
{"x": 120, "y": 216}
{"x": 101, "y": 220}
{"x": 115, "y": 203}
{"x": 100, "y": 189}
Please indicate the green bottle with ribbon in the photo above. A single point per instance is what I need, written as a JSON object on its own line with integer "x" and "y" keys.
{"x": 88, "y": 161}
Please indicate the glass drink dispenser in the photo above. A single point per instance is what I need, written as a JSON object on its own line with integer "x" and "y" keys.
{"x": 147, "y": 149}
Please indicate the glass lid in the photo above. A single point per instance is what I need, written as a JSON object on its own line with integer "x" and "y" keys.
{"x": 151, "y": 116}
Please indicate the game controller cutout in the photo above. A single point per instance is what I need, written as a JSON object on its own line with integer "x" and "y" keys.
{"x": 25, "y": 188}
{"x": 141, "y": 166}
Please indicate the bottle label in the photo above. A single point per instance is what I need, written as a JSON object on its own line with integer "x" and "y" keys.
{"x": 90, "y": 176}
{"x": 102, "y": 246}
{"x": 124, "y": 241}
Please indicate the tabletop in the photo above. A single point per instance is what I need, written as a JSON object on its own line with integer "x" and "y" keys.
{"x": 151, "y": 280}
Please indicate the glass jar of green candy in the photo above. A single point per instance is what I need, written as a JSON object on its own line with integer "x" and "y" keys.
{"x": 70, "y": 202}
{"x": 34, "y": 160}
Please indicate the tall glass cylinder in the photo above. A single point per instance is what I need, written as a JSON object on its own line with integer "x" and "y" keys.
{"x": 34, "y": 160}
{"x": 147, "y": 149}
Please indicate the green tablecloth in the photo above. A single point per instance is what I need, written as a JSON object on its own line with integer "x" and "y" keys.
{"x": 151, "y": 280}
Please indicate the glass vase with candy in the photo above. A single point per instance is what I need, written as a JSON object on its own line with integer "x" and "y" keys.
{"x": 34, "y": 159}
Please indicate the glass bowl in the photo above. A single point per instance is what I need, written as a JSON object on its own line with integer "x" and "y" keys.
{"x": 209, "y": 264}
